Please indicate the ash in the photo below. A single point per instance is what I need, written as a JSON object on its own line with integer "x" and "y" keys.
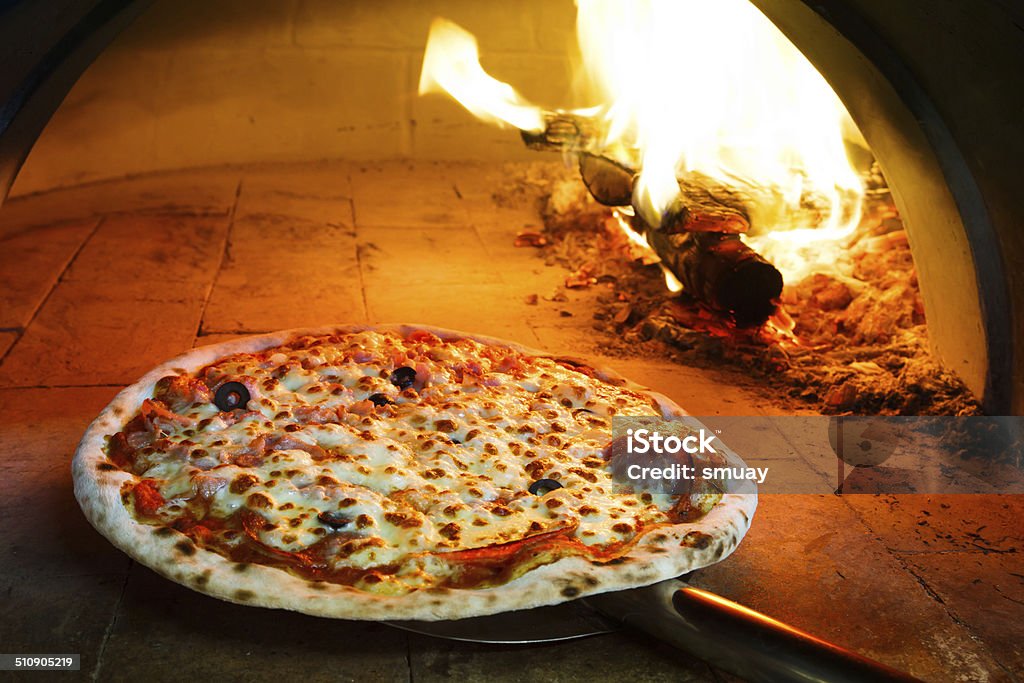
{"x": 848, "y": 342}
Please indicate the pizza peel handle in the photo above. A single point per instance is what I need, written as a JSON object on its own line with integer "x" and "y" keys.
{"x": 737, "y": 639}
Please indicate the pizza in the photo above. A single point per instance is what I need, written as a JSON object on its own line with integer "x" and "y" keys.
{"x": 395, "y": 472}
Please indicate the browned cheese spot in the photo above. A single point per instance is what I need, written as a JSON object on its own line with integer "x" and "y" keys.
{"x": 259, "y": 500}
{"x": 242, "y": 483}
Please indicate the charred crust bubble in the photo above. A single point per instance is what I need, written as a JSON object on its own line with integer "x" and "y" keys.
{"x": 106, "y": 467}
{"x": 570, "y": 591}
{"x": 244, "y": 595}
{"x": 164, "y": 531}
{"x": 403, "y": 377}
{"x": 696, "y": 539}
{"x": 231, "y": 395}
{"x": 544, "y": 486}
{"x": 242, "y": 567}
{"x": 185, "y": 547}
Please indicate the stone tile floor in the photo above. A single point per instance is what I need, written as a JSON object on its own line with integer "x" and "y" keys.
{"x": 99, "y": 283}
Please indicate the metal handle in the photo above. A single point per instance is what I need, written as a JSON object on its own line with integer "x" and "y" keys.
{"x": 737, "y": 639}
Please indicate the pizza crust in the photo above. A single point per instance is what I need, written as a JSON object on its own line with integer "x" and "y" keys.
{"x": 662, "y": 553}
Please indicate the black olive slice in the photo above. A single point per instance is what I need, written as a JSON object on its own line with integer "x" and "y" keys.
{"x": 379, "y": 399}
{"x": 544, "y": 486}
{"x": 333, "y": 519}
{"x": 403, "y": 377}
{"x": 231, "y": 395}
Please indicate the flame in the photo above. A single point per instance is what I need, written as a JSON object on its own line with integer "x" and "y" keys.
{"x": 782, "y": 326}
{"x": 642, "y": 249}
{"x": 708, "y": 86}
{"x": 622, "y": 220}
{"x": 715, "y": 87}
{"x": 451, "y": 64}
{"x": 671, "y": 281}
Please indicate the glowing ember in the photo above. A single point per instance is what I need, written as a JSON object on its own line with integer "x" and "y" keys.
{"x": 781, "y": 326}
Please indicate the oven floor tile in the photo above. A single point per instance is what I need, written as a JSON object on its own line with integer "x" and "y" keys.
{"x": 810, "y": 561}
{"x": 176, "y": 248}
{"x": 31, "y": 262}
{"x": 91, "y": 333}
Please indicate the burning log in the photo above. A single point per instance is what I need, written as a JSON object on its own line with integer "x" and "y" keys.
{"x": 702, "y": 205}
{"x": 562, "y": 132}
{"x": 697, "y": 240}
{"x": 698, "y": 236}
{"x": 721, "y": 271}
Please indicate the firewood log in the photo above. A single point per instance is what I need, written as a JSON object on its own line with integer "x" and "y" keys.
{"x": 697, "y": 237}
{"x": 721, "y": 271}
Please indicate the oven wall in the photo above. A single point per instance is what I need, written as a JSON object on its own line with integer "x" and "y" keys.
{"x": 934, "y": 87}
{"x": 968, "y": 57}
{"x": 210, "y": 82}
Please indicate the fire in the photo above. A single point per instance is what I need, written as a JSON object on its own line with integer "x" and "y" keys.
{"x": 642, "y": 249}
{"x": 451, "y": 64}
{"x": 705, "y": 86}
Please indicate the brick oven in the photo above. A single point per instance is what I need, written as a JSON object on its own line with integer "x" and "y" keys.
{"x": 184, "y": 173}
